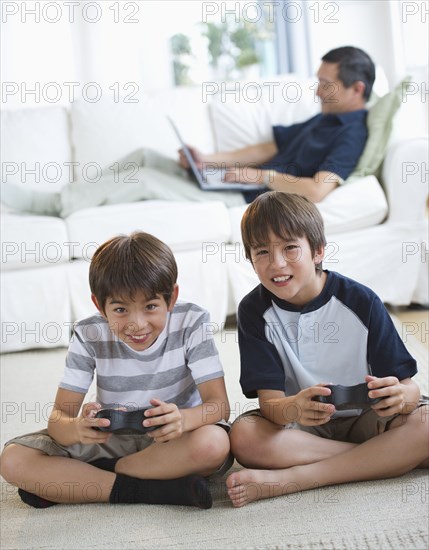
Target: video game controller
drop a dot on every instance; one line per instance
(124, 422)
(348, 397)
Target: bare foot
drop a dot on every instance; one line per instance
(250, 485)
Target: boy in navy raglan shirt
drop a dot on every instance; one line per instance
(301, 329)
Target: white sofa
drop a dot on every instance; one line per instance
(378, 237)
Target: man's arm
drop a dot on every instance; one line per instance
(315, 188)
(335, 167)
(253, 155)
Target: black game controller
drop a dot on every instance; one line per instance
(124, 422)
(348, 397)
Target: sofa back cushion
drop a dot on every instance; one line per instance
(171, 221)
(36, 148)
(243, 113)
(380, 124)
(107, 131)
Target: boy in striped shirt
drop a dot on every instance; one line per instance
(148, 350)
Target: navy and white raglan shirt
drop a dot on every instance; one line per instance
(183, 356)
(341, 336)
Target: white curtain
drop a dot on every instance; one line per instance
(293, 39)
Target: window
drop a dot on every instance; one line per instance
(58, 48)
(221, 41)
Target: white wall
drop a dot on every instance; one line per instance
(394, 33)
(364, 24)
(128, 41)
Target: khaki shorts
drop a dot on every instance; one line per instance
(116, 447)
(353, 429)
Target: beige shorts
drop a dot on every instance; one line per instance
(353, 429)
(117, 446)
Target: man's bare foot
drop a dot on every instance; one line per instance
(250, 485)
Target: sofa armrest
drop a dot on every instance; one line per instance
(355, 205)
(405, 180)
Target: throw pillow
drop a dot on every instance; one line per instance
(379, 123)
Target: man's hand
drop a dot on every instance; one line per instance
(196, 155)
(246, 174)
(169, 419)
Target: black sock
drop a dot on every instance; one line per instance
(34, 500)
(185, 491)
(107, 464)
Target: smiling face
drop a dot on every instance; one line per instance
(137, 321)
(287, 268)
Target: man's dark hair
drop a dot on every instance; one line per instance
(354, 64)
(127, 264)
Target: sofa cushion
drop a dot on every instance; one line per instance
(405, 177)
(353, 206)
(35, 148)
(182, 225)
(202, 279)
(32, 241)
(35, 308)
(380, 124)
(106, 131)
(246, 113)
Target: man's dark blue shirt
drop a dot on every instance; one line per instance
(331, 143)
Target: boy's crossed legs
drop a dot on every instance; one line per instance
(290, 460)
(161, 473)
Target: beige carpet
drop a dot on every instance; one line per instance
(388, 514)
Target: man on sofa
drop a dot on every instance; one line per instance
(313, 157)
(310, 158)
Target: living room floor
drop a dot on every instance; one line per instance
(414, 320)
(339, 515)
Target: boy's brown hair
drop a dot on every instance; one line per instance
(127, 264)
(287, 215)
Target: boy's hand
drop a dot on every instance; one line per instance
(86, 422)
(391, 392)
(313, 413)
(170, 421)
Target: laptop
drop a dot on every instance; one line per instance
(210, 178)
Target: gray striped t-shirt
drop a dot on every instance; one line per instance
(183, 356)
